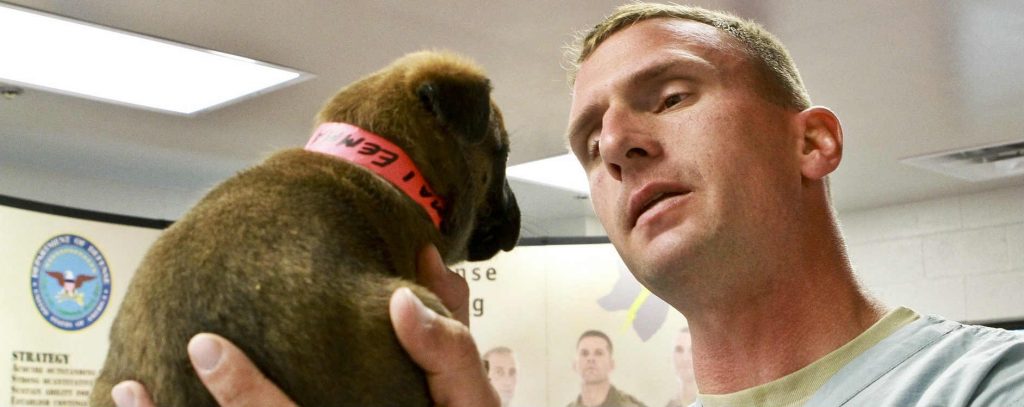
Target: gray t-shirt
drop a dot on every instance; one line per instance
(903, 360)
(933, 362)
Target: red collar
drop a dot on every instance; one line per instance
(380, 156)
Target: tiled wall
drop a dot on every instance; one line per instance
(959, 257)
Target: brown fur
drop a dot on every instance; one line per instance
(294, 259)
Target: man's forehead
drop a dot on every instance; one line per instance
(659, 38)
(591, 342)
(500, 358)
(695, 32)
(675, 35)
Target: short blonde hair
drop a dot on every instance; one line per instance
(781, 80)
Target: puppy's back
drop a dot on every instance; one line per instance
(281, 261)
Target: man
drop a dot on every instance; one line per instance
(594, 363)
(707, 167)
(682, 364)
(502, 372)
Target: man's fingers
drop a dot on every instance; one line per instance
(450, 287)
(130, 394)
(445, 350)
(230, 376)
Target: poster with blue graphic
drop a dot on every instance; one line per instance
(70, 282)
(64, 280)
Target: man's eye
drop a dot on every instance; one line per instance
(594, 148)
(673, 100)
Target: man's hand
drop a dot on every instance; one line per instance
(441, 346)
(445, 350)
(229, 375)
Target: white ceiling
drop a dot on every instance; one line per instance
(906, 78)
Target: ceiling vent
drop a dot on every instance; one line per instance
(982, 163)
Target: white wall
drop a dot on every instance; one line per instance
(960, 257)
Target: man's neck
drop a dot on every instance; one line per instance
(593, 394)
(758, 347)
(811, 307)
(783, 329)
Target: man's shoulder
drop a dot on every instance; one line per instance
(987, 361)
(942, 361)
(620, 398)
(972, 345)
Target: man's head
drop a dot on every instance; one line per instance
(700, 168)
(594, 361)
(502, 371)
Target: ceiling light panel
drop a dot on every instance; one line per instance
(66, 56)
(981, 163)
(562, 171)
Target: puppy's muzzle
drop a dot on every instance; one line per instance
(499, 228)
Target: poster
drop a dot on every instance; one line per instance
(546, 297)
(65, 278)
(63, 282)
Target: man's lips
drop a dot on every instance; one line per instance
(649, 195)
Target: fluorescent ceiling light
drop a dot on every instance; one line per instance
(562, 171)
(71, 57)
(979, 163)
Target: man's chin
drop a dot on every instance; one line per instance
(665, 253)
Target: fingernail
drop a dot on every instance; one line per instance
(205, 352)
(123, 395)
(423, 314)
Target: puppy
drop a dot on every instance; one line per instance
(295, 259)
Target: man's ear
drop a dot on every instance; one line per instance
(821, 147)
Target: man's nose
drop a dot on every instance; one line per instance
(626, 140)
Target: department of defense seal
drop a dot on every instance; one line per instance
(70, 282)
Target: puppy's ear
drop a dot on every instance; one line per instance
(460, 105)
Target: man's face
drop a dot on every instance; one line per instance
(593, 360)
(690, 168)
(682, 357)
(502, 372)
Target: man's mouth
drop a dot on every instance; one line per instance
(650, 195)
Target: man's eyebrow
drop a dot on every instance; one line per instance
(679, 62)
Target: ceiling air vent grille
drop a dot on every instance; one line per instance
(977, 163)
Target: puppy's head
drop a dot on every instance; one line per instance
(437, 107)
